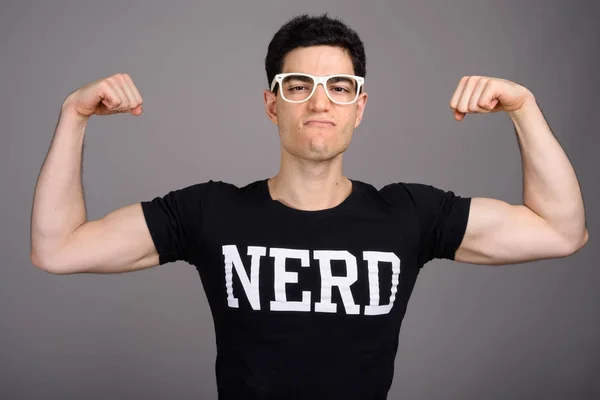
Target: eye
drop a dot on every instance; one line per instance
(340, 89)
(297, 88)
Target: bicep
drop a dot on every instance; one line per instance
(118, 242)
(501, 233)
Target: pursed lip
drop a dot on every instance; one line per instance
(320, 121)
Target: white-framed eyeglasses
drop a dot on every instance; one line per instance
(296, 87)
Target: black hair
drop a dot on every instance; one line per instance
(305, 31)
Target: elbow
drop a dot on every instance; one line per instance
(577, 245)
(37, 261)
(46, 266)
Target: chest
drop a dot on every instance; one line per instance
(343, 265)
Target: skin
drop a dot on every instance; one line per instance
(310, 176)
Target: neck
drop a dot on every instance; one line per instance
(310, 185)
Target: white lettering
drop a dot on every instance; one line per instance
(342, 282)
(250, 285)
(282, 277)
(373, 259)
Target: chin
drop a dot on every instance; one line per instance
(322, 152)
(312, 152)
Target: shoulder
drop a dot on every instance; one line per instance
(219, 194)
(204, 192)
(214, 187)
(392, 196)
(415, 193)
(426, 200)
(405, 193)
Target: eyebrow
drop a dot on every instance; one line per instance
(351, 82)
(341, 78)
(299, 78)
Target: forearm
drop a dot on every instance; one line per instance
(550, 186)
(58, 203)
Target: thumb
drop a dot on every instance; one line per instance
(137, 110)
(458, 115)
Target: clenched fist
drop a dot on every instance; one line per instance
(112, 95)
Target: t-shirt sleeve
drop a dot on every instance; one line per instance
(442, 217)
(175, 222)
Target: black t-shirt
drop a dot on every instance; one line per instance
(306, 304)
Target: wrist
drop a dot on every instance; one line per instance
(69, 115)
(71, 124)
(529, 106)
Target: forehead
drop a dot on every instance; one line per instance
(318, 60)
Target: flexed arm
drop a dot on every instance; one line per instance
(62, 240)
(551, 221)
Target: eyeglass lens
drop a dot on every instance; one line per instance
(341, 89)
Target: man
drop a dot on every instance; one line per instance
(308, 273)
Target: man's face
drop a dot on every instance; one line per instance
(308, 140)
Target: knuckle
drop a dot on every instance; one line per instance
(110, 81)
(116, 79)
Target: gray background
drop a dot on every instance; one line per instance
(528, 331)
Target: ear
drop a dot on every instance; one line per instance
(271, 105)
(361, 104)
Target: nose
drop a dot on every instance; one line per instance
(319, 100)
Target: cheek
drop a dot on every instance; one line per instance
(289, 119)
(347, 122)
(350, 117)
(290, 126)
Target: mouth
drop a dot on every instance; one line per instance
(314, 122)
